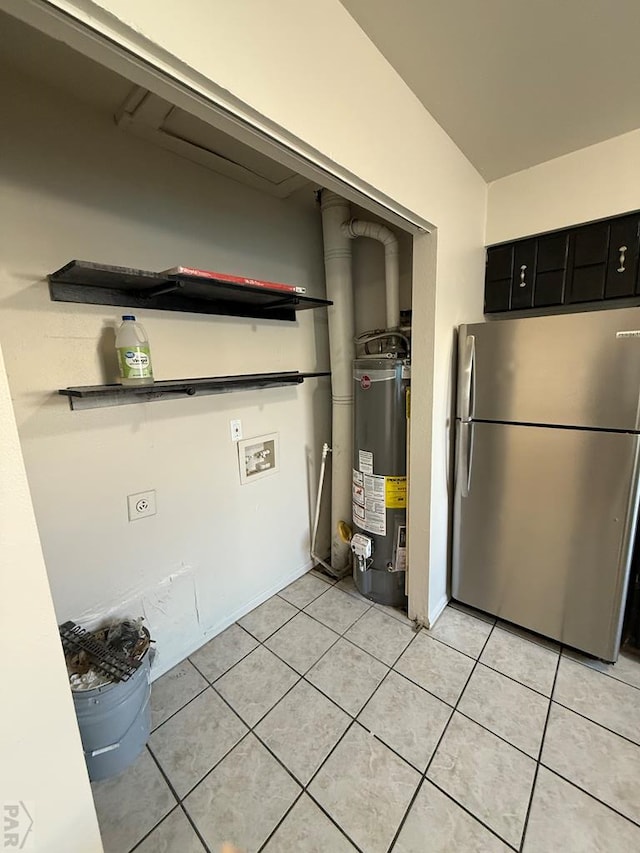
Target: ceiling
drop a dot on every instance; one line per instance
(515, 82)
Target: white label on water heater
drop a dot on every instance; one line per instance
(375, 517)
(372, 526)
(374, 487)
(358, 478)
(632, 333)
(365, 459)
(358, 514)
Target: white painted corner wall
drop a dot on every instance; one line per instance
(39, 738)
(592, 183)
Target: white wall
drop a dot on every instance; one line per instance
(78, 187)
(36, 700)
(310, 68)
(595, 182)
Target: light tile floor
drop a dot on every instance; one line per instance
(321, 722)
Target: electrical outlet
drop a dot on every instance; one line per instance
(141, 505)
(236, 429)
(258, 457)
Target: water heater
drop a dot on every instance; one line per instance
(380, 380)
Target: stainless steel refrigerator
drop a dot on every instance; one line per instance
(547, 461)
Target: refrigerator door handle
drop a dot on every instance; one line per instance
(467, 378)
(466, 457)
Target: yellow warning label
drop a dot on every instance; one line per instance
(395, 492)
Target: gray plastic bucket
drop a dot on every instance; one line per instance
(114, 722)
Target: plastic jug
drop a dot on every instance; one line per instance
(134, 355)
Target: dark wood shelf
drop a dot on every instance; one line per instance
(98, 396)
(99, 284)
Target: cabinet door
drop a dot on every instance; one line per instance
(524, 270)
(497, 291)
(622, 263)
(589, 250)
(551, 270)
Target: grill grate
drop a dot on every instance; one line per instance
(107, 661)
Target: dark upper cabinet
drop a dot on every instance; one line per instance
(586, 264)
(497, 293)
(622, 261)
(524, 272)
(588, 252)
(551, 270)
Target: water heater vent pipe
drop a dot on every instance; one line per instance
(359, 228)
(337, 262)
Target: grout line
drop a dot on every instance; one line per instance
(386, 676)
(312, 779)
(588, 665)
(353, 718)
(535, 775)
(251, 730)
(352, 721)
(500, 737)
(462, 713)
(137, 845)
(596, 723)
(195, 828)
(180, 803)
(416, 684)
(512, 678)
(306, 786)
(281, 821)
(292, 603)
(437, 746)
(164, 775)
(471, 814)
(208, 680)
(188, 702)
(251, 727)
(309, 668)
(396, 834)
(427, 633)
(590, 795)
(388, 666)
(217, 763)
(286, 621)
(363, 649)
(259, 643)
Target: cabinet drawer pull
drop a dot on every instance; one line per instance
(622, 250)
(523, 270)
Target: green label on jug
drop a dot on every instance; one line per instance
(135, 362)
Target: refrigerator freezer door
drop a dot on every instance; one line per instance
(543, 529)
(572, 369)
